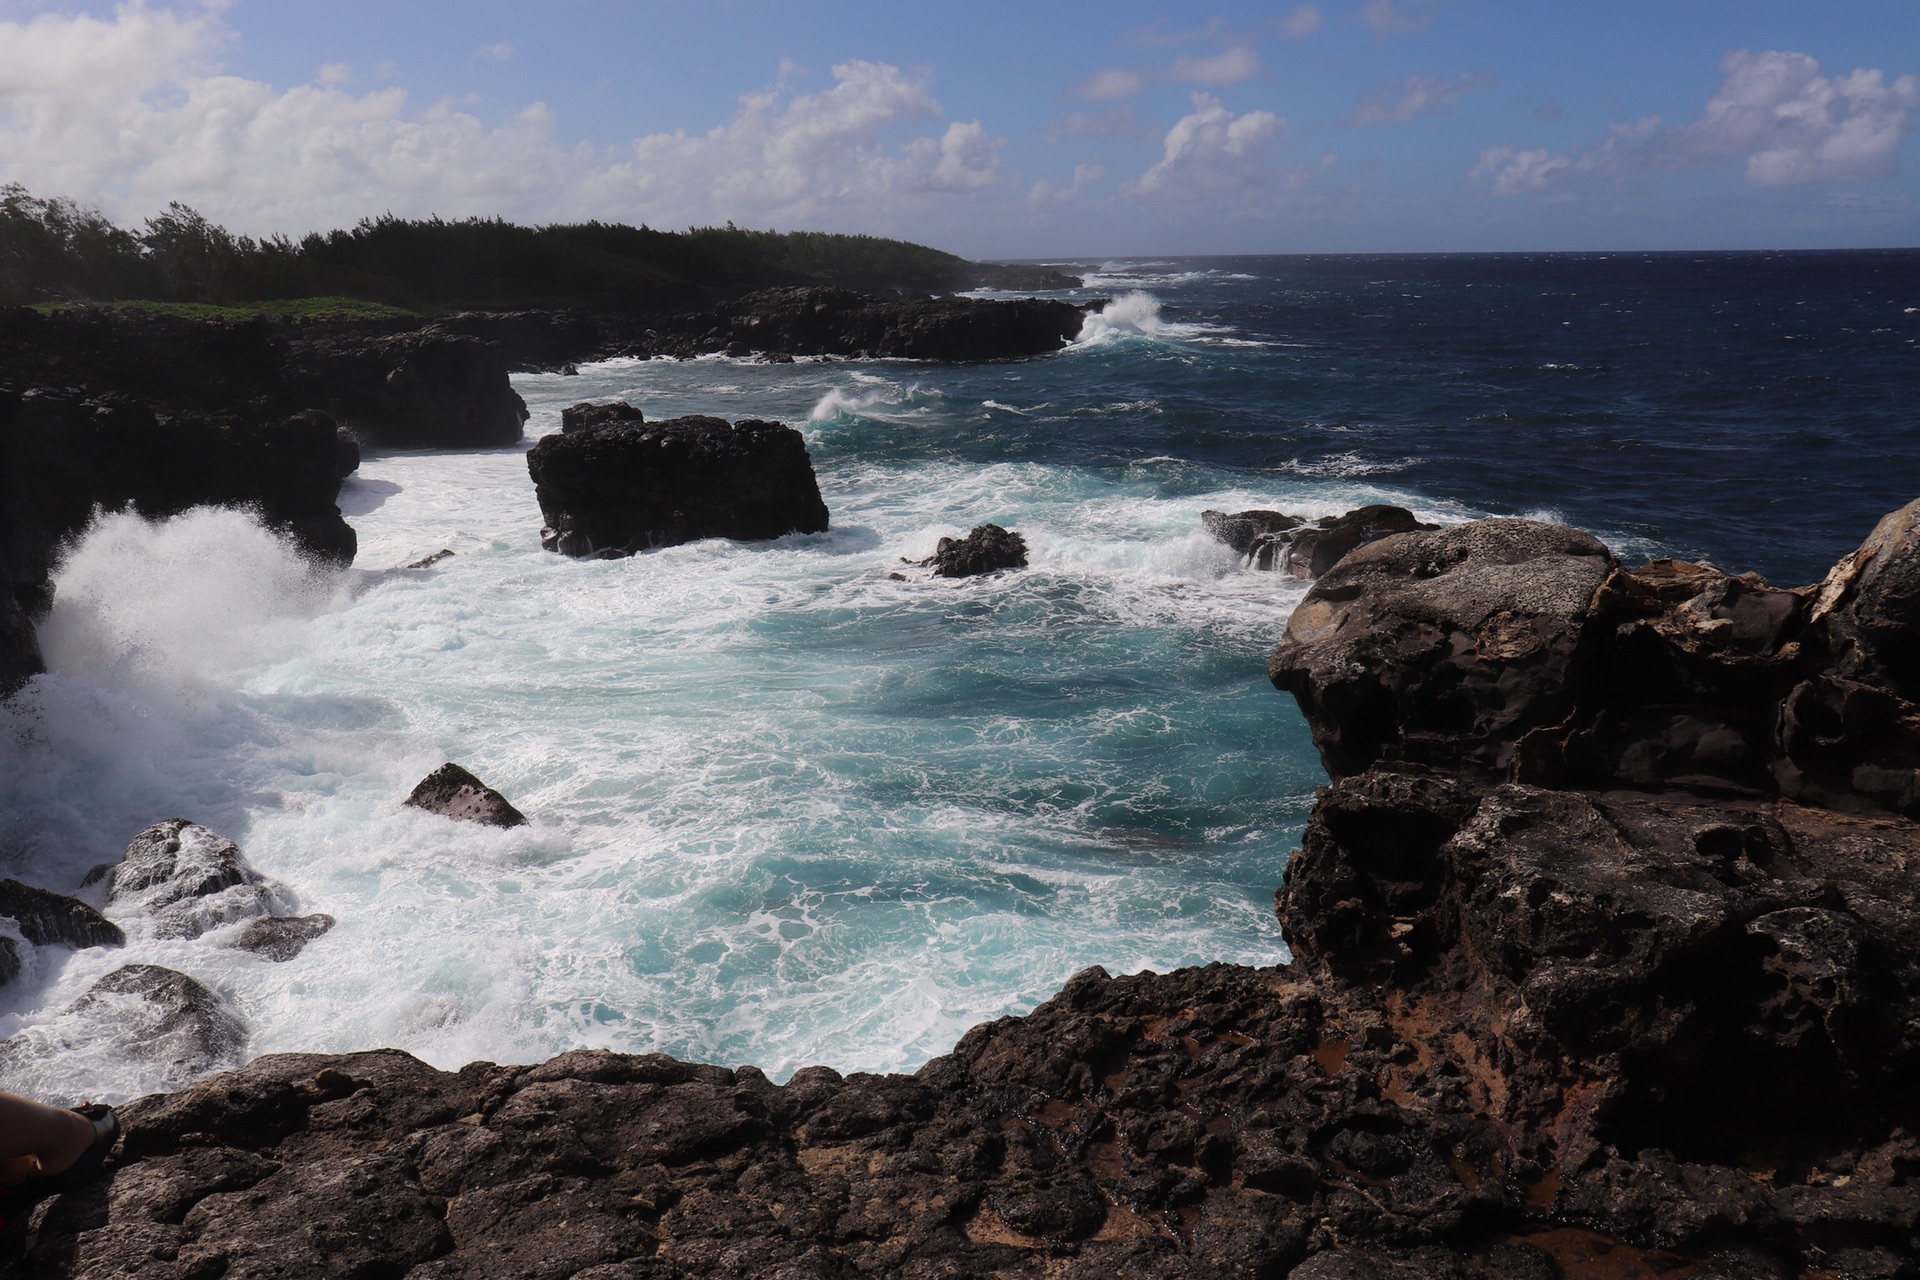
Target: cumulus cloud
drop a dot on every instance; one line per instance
(1301, 23)
(1796, 126)
(1109, 83)
(132, 111)
(1045, 193)
(1402, 100)
(501, 52)
(1791, 125)
(1212, 153)
(1229, 66)
(1395, 17)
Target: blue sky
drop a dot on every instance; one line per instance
(994, 128)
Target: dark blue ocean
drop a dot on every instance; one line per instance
(789, 809)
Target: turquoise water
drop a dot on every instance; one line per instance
(787, 809)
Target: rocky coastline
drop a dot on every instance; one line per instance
(1606, 963)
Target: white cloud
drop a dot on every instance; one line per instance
(334, 73)
(1229, 66)
(1109, 83)
(501, 52)
(1084, 176)
(1403, 100)
(1212, 153)
(1301, 23)
(1792, 125)
(130, 112)
(1510, 172)
(1796, 126)
(1395, 17)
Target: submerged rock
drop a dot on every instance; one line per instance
(452, 792)
(140, 1021)
(624, 487)
(280, 938)
(987, 549)
(185, 880)
(587, 415)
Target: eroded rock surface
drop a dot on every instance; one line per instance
(624, 487)
(841, 322)
(280, 938)
(587, 415)
(452, 792)
(178, 879)
(140, 1022)
(1566, 1002)
(988, 548)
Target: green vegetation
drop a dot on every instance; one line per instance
(54, 250)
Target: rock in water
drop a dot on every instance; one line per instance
(623, 487)
(46, 918)
(1275, 540)
(186, 880)
(140, 1022)
(454, 793)
(1242, 529)
(986, 549)
(586, 415)
(280, 937)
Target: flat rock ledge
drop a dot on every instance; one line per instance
(1567, 1002)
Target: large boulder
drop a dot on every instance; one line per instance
(179, 880)
(280, 938)
(141, 1024)
(1443, 648)
(625, 487)
(587, 415)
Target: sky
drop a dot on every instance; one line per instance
(1048, 129)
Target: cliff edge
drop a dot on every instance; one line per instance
(1606, 964)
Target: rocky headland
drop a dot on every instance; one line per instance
(1606, 963)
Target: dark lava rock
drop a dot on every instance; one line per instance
(531, 341)
(46, 919)
(151, 1022)
(1595, 1028)
(454, 793)
(987, 549)
(185, 880)
(280, 937)
(427, 562)
(625, 487)
(1302, 548)
(587, 415)
(429, 389)
(840, 322)
(1442, 648)
(1242, 529)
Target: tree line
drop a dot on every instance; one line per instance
(57, 250)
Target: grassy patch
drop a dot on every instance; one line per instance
(296, 310)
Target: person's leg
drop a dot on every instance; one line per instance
(35, 1137)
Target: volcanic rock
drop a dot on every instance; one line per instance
(42, 919)
(454, 793)
(184, 880)
(987, 549)
(1445, 648)
(840, 322)
(587, 415)
(150, 1023)
(280, 937)
(429, 389)
(1242, 529)
(1304, 549)
(625, 487)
